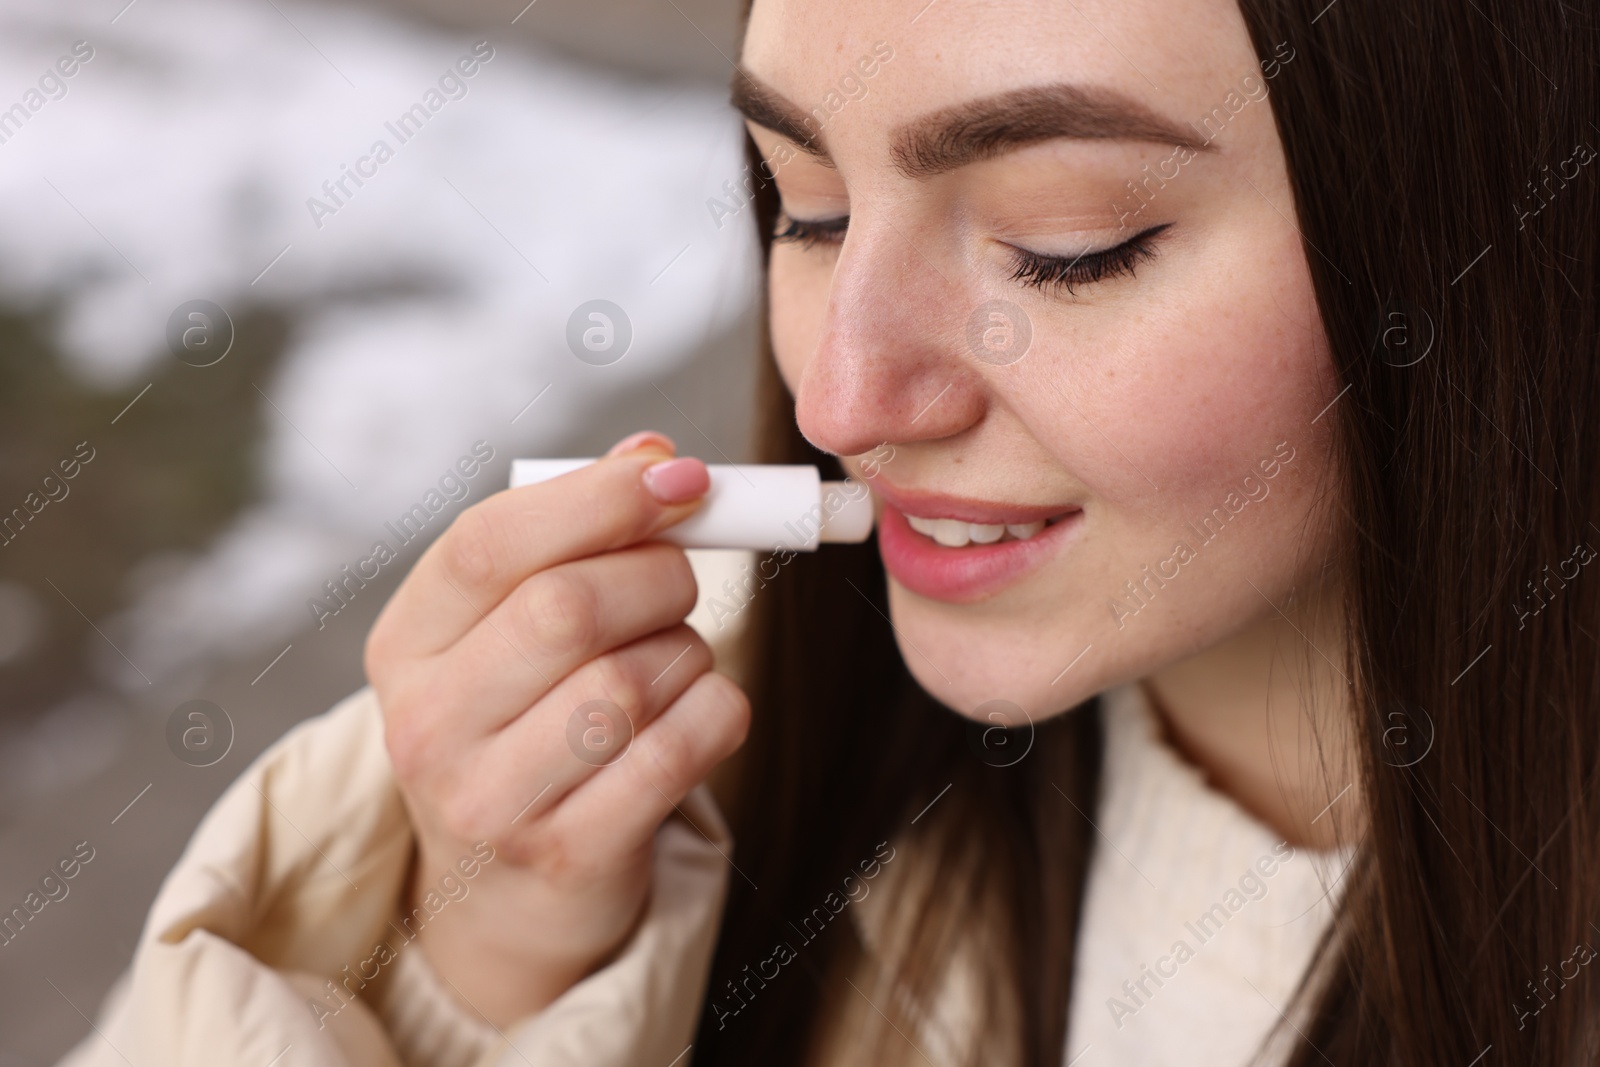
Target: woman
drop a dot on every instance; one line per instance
(1222, 376)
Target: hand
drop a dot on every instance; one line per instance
(533, 603)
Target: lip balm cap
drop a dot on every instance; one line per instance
(851, 522)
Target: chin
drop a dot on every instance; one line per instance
(986, 666)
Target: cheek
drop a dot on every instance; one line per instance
(1180, 405)
(1232, 372)
(797, 291)
(1158, 413)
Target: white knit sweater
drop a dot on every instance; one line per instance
(1198, 920)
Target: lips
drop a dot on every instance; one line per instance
(966, 509)
(961, 550)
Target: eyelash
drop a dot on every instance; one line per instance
(1061, 272)
(811, 234)
(1033, 269)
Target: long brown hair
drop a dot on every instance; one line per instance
(1441, 157)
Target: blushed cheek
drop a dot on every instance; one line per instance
(1190, 399)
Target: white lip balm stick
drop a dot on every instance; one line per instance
(764, 508)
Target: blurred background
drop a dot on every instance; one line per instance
(227, 368)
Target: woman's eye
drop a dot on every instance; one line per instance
(1056, 273)
(810, 234)
(1051, 273)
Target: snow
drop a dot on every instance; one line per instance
(428, 309)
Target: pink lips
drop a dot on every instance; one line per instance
(975, 572)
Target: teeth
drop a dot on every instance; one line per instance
(953, 533)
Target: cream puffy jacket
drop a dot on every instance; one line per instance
(1197, 925)
(294, 879)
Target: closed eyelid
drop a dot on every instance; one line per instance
(1048, 272)
(1141, 237)
(808, 232)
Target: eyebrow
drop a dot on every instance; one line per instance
(982, 129)
(764, 106)
(991, 126)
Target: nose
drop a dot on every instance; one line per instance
(888, 364)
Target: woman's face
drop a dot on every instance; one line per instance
(1038, 262)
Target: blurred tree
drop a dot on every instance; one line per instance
(173, 469)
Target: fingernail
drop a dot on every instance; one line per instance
(639, 440)
(674, 481)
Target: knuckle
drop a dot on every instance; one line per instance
(731, 708)
(621, 512)
(412, 744)
(469, 550)
(414, 728)
(634, 514)
(563, 858)
(677, 578)
(408, 748)
(673, 752)
(461, 814)
(700, 650)
(697, 658)
(559, 613)
(638, 524)
(620, 682)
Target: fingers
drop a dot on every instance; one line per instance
(591, 721)
(493, 546)
(498, 786)
(617, 811)
(556, 621)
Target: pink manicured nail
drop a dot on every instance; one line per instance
(638, 440)
(674, 481)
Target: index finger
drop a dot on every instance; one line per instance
(493, 546)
